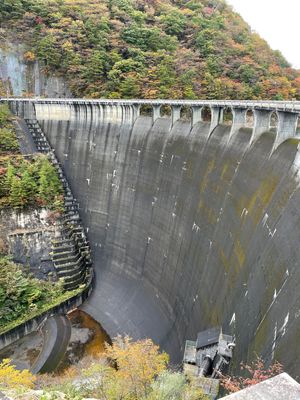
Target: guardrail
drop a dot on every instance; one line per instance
(127, 111)
(291, 106)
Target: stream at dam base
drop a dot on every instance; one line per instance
(88, 339)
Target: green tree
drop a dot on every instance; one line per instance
(205, 42)
(10, 174)
(148, 39)
(29, 185)
(123, 77)
(248, 74)
(11, 9)
(174, 23)
(130, 88)
(96, 66)
(48, 51)
(49, 183)
(17, 193)
(4, 115)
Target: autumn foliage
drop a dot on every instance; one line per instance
(127, 370)
(11, 378)
(150, 49)
(29, 56)
(254, 374)
(137, 364)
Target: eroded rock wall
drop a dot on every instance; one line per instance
(21, 77)
(26, 236)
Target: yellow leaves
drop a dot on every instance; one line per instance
(67, 45)
(138, 363)
(65, 22)
(29, 56)
(133, 371)
(187, 12)
(224, 46)
(11, 378)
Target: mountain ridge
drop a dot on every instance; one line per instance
(150, 49)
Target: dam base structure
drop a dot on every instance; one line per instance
(193, 223)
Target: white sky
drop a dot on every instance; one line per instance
(277, 21)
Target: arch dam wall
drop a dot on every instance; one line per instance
(192, 224)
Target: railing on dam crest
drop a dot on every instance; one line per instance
(286, 112)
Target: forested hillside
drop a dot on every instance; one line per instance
(150, 48)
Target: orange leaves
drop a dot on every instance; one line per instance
(203, 36)
(2, 171)
(274, 69)
(29, 56)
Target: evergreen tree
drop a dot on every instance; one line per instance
(49, 183)
(10, 173)
(17, 194)
(29, 186)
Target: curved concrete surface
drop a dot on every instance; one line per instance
(188, 230)
(56, 337)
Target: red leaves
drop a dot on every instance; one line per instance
(257, 371)
(39, 20)
(2, 171)
(208, 11)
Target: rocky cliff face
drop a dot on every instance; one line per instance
(22, 77)
(27, 235)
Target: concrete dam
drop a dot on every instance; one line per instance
(192, 223)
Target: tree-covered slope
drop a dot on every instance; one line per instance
(25, 182)
(150, 48)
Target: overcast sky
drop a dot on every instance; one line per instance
(277, 21)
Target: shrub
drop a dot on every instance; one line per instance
(173, 386)
(21, 294)
(256, 371)
(11, 378)
(137, 365)
(29, 56)
(34, 183)
(4, 115)
(8, 141)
